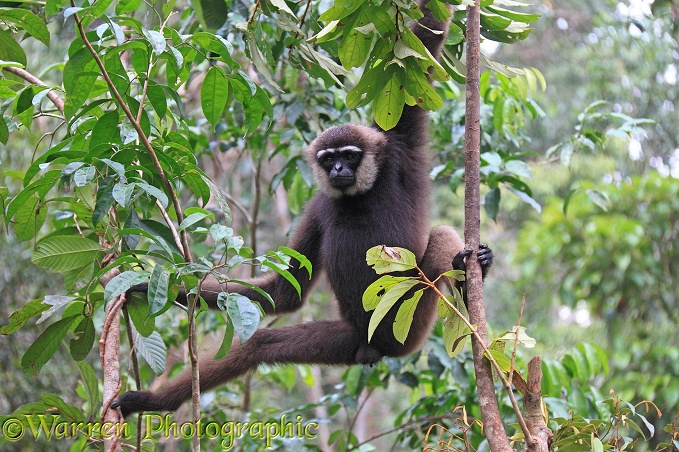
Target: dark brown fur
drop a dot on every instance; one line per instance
(334, 234)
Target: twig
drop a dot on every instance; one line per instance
(24, 74)
(140, 133)
(254, 13)
(486, 350)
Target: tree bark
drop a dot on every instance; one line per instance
(109, 354)
(495, 432)
(532, 407)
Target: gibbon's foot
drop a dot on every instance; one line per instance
(135, 401)
(368, 355)
(485, 258)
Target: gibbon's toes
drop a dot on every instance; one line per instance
(132, 402)
(485, 256)
(458, 260)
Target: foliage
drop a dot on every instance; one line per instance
(621, 263)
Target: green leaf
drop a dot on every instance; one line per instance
(352, 377)
(455, 331)
(260, 63)
(46, 344)
(243, 313)
(158, 289)
(387, 301)
(227, 340)
(404, 316)
(301, 258)
(282, 270)
(105, 131)
(492, 203)
(64, 253)
(220, 198)
(599, 198)
(194, 218)
(39, 187)
(371, 83)
(29, 218)
(158, 99)
(79, 75)
(386, 259)
(502, 360)
(341, 9)
(52, 6)
(90, 384)
(354, 48)
(25, 19)
(153, 350)
(213, 94)
(127, 6)
(154, 192)
(438, 10)
(19, 318)
(4, 130)
(81, 345)
(375, 291)
(513, 15)
(388, 105)
(10, 50)
(525, 197)
(282, 6)
(122, 282)
(57, 405)
(597, 445)
(104, 200)
(142, 322)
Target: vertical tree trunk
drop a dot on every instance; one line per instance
(495, 433)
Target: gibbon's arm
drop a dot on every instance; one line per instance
(306, 240)
(413, 124)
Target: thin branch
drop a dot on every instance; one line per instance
(490, 413)
(24, 74)
(475, 335)
(254, 13)
(140, 133)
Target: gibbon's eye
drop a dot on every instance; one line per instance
(328, 160)
(350, 157)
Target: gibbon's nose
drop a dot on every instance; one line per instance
(338, 166)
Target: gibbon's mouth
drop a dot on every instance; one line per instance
(342, 181)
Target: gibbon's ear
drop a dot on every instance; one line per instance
(372, 142)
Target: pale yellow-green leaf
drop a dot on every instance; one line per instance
(523, 338)
(386, 259)
(404, 316)
(388, 300)
(375, 291)
(455, 332)
(502, 360)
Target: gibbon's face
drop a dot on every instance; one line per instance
(341, 165)
(346, 159)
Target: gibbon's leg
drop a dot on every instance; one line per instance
(320, 342)
(443, 247)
